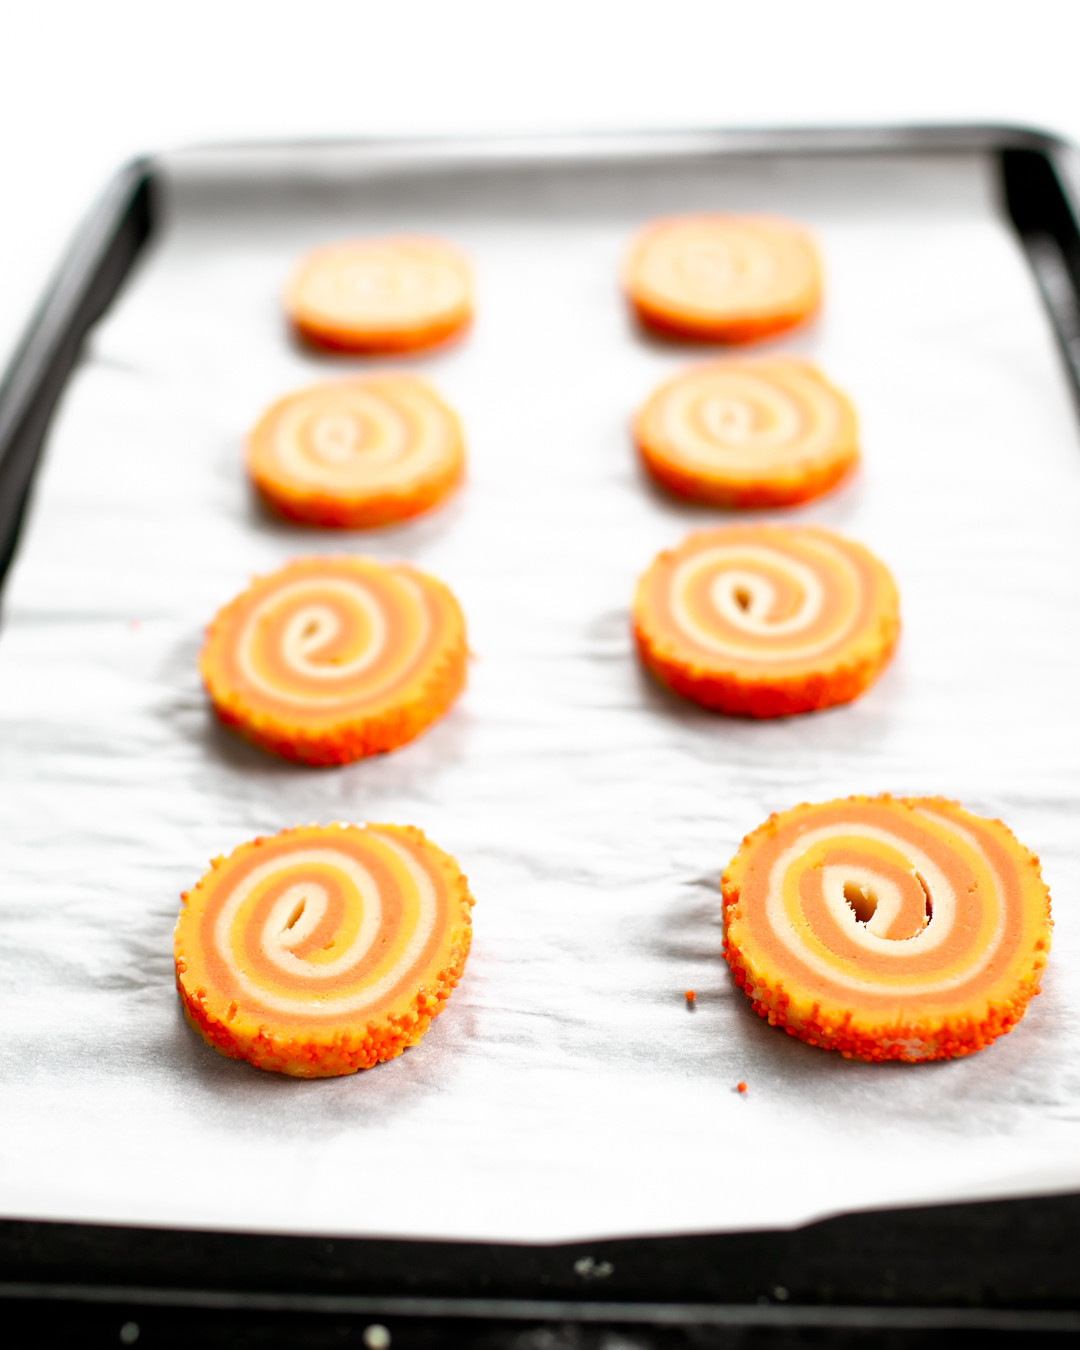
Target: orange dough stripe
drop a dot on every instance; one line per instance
(322, 950)
(722, 278)
(332, 659)
(357, 453)
(887, 928)
(380, 295)
(748, 433)
(766, 620)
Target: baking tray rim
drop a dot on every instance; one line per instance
(102, 253)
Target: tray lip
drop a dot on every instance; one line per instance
(252, 1273)
(824, 138)
(261, 159)
(653, 1313)
(425, 152)
(50, 317)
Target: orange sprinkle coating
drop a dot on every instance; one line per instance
(332, 659)
(722, 278)
(322, 950)
(380, 295)
(356, 453)
(766, 620)
(748, 433)
(740, 1087)
(887, 928)
(690, 996)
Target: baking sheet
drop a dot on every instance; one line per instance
(567, 1091)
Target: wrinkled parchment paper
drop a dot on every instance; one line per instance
(567, 1091)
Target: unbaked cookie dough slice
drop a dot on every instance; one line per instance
(766, 620)
(322, 950)
(750, 433)
(723, 278)
(887, 928)
(380, 295)
(332, 659)
(357, 453)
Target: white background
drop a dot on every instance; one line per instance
(81, 89)
(85, 85)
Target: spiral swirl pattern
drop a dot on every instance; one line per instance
(357, 452)
(323, 950)
(380, 295)
(766, 620)
(330, 659)
(887, 928)
(748, 433)
(723, 278)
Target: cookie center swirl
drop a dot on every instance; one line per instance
(728, 420)
(308, 645)
(336, 438)
(748, 600)
(725, 267)
(373, 280)
(766, 422)
(746, 419)
(332, 639)
(914, 933)
(317, 924)
(385, 283)
(753, 600)
(361, 438)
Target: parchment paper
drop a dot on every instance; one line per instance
(567, 1091)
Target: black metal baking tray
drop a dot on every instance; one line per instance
(973, 1273)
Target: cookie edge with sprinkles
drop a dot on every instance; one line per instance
(769, 695)
(788, 487)
(331, 337)
(941, 1037)
(324, 509)
(336, 1053)
(737, 329)
(351, 739)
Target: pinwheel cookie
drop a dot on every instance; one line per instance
(766, 620)
(357, 452)
(331, 659)
(722, 278)
(748, 433)
(887, 928)
(380, 295)
(322, 951)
